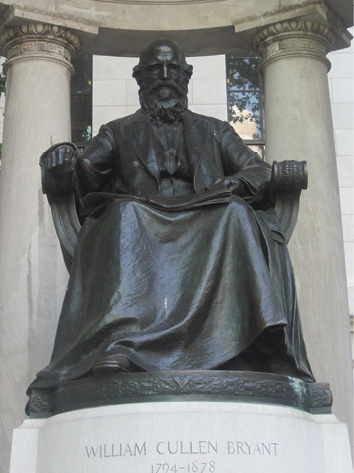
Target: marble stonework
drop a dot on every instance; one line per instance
(183, 437)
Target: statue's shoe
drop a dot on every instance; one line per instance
(112, 363)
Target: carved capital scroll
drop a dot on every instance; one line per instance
(39, 40)
(295, 38)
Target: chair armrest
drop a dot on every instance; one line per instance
(288, 179)
(61, 198)
(66, 223)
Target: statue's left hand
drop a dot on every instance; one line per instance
(235, 185)
(57, 164)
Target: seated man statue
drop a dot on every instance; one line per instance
(180, 264)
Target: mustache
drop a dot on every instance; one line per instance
(179, 89)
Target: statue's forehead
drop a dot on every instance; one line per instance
(163, 54)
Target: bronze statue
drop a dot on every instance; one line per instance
(180, 263)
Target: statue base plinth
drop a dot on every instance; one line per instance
(182, 386)
(183, 437)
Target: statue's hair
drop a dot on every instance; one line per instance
(137, 70)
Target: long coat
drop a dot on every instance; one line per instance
(192, 287)
(122, 158)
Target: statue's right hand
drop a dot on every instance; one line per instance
(57, 164)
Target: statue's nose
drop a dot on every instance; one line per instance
(165, 71)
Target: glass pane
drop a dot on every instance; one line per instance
(245, 97)
(260, 149)
(81, 101)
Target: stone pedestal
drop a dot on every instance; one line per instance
(183, 437)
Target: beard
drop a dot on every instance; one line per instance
(165, 100)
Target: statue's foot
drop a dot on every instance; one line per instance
(112, 363)
(287, 367)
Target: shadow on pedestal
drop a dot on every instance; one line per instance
(185, 386)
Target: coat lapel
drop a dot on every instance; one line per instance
(139, 135)
(195, 132)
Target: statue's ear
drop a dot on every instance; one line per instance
(188, 69)
(137, 74)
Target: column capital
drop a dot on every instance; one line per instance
(39, 41)
(294, 38)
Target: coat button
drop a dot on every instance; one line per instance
(135, 164)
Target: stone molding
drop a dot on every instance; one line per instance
(159, 2)
(294, 38)
(39, 41)
(50, 17)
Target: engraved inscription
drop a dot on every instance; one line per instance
(115, 450)
(182, 455)
(252, 448)
(193, 467)
(201, 447)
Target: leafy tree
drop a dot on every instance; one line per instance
(245, 91)
(2, 84)
(2, 92)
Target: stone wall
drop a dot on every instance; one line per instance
(341, 83)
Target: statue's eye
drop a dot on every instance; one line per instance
(164, 70)
(155, 70)
(174, 70)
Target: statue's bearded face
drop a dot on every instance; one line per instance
(164, 84)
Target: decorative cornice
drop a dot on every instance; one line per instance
(38, 40)
(294, 38)
(294, 26)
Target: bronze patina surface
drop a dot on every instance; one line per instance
(184, 386)
(180, 263)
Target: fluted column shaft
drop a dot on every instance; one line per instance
(299, 126)
(37, 114)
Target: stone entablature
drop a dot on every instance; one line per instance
(123, 27)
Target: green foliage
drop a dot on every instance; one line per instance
(2, 82)
(87, 134)
(245, 91)
(2, 92)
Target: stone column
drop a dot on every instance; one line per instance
(32, 275)
(299, 126)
